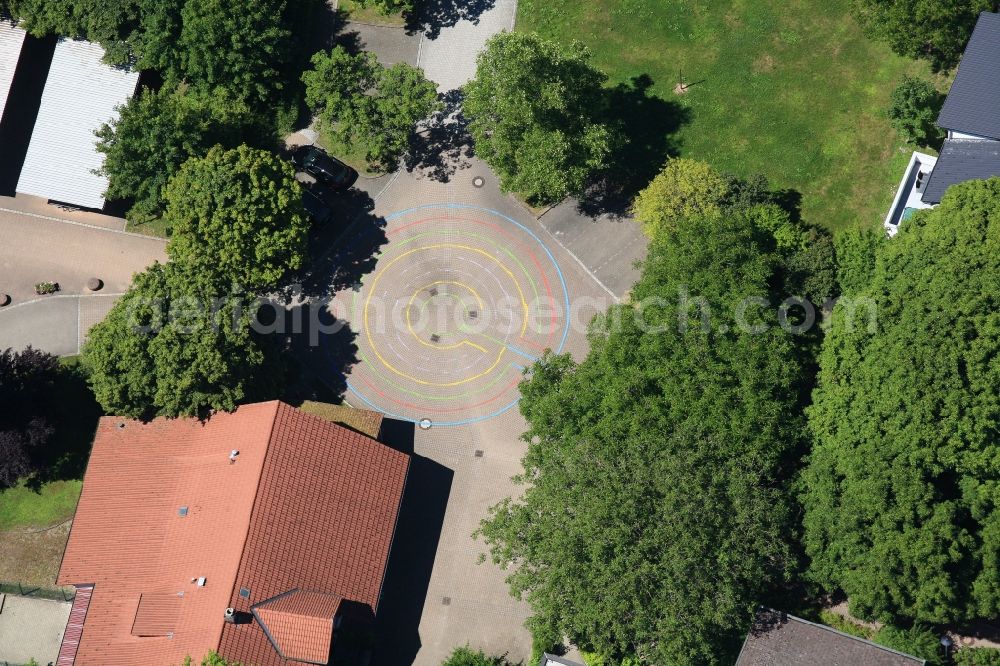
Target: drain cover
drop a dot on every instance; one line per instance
(478, 181)
(424, 424)
(473, 314)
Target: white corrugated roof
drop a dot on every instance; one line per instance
(11, 40)
(80, 95)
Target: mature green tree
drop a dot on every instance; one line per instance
(856, 251)
(156, 132)
(27, 389)
(913, 110)
(236, 217)
(360, 102)
(937, 30)
(657, 508)
(536, 113)
(165, 350)
(234, 44)
(683, 188)
(136, 32)
(902, 490)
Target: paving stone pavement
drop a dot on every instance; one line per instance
(448, 55)
(466, 602)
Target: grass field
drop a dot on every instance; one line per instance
(355, 12)
(787, 88)
(23, 507)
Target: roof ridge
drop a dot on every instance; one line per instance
(253, 507)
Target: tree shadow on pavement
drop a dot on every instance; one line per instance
(324, 347)
(341, 252)
(431, 16)
(418, 531)
(443, 145)
(648, 123)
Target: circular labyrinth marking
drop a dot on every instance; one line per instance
(461, 300)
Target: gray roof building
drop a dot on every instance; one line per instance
(778, 639)
(973, 104)
(962, 160)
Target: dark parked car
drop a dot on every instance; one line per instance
(323, 167)
(315, 207)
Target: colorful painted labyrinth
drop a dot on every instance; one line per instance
(461, 300)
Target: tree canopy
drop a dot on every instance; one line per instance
(155, 133)
(236, 217)
(165, 350)
(937, 30)
(27, 382)
(360, 102)
(683, 188)
(536, 114)
(902, 489)
(657, 508)
(913, 110)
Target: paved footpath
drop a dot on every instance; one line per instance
(37, 247)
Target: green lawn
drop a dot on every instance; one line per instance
(23, 507)
(356, 12)
(787, 88)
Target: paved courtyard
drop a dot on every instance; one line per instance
(31, 628)
(465, 291)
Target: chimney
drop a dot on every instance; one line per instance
(231, 615)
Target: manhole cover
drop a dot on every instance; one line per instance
(473, 314)
(478, 181)
(425, 424)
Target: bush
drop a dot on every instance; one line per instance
(918, 641)
(976, 657)
(913, 110)
(388, 7)
(465, 656)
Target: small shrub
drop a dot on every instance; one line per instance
(976, 657)
(918, 641)
(43, 288)
(466, 656)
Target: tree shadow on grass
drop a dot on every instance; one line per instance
(431, 16)
(647, 123)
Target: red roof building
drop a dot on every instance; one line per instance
(284, 518)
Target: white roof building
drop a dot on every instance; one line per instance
(11, 41)
(80, 95)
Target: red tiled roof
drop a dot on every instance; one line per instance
(300, 623)
(156, 614)
(307, 504)
(326, 527)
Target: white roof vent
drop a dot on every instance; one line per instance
(233, 455)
